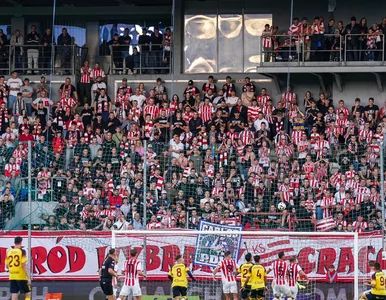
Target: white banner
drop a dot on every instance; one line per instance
(77, 255)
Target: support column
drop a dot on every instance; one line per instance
(178, 32)
(92, 42)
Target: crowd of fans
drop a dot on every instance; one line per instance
(215, 152)
(317, 40)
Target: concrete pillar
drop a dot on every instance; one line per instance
(92, 42)
(18, 23)
(178, 37)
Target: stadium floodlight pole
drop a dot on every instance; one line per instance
(382, 159)
(30, 209)
(144, 203)
(286, 124)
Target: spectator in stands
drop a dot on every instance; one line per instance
(144, 44)
(14, 86)
(32, 43)
(156, 40)
(17, 41)
(116, 53)
(47, 41)
(3, 52)
(124, 42)
(84, 85)
(64, 51)
(353, 31)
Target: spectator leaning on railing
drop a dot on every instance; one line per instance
(318, 41)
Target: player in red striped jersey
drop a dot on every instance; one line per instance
(294, 272)
(132, 269)
(280, 275)
(228, 270)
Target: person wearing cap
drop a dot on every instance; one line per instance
(191, 89)
(144, 44)
(353, 30)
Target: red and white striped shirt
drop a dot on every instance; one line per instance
(154, 225)
(366, 135)
(132, 267)
(247, 137)
(343, 110)
(206, 112)
(253, 112)
(228, 267)
(280, 269)
(151, 110)
(293, 273)
(97, 72)
(285, 190)
(67, 102)
(85, 74)
(262, 99)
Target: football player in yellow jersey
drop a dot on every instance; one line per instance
(244, 271)
(257, 279)
(178, 277)
(16, 263)
(378, 284)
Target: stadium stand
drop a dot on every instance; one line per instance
(213, 152)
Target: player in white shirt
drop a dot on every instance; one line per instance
(132, 269)
(280, 277)
(228, 276)
(294, 271)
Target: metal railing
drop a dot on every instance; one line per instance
(38, 59)
(323, 48)
(148, 59)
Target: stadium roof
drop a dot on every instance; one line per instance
(86, 2)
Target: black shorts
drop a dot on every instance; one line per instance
(257, 293)
(107, 287)
(371, 296)
(19, 286)
(179, 291)
(245, 292)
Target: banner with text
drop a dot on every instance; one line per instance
(211, 248)
(77, 255)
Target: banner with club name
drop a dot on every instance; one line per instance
(76, 255)
(210, 249)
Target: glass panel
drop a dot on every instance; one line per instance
(253, 28)
(230, 43)
(200, 44)
(78, 34)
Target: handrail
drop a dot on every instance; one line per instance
(155, 57)
(22, 59)
(294, 48)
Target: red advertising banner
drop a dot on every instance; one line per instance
(77, 255)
